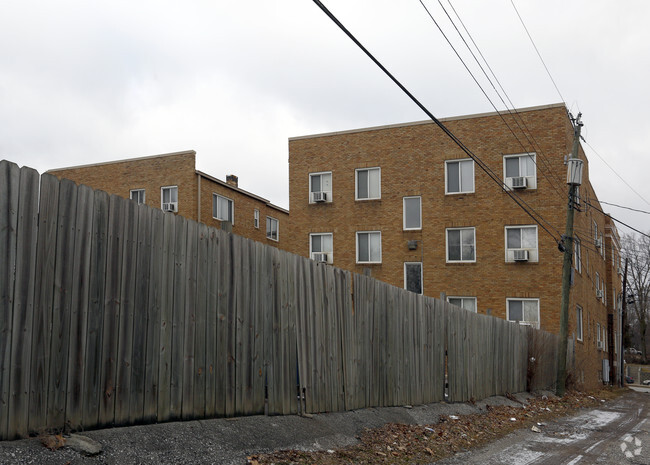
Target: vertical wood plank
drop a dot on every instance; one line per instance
(45, 257)
(191, 268)
(201, 316)
(112, 309)
(142, 243)
(23, 312)
(95, 308)
(9, 192)
(212, 314)
(166, 280)
(64, 283)
(154, 311)
(178, 318)
(129, 275)
(223, 324)
(80, 302)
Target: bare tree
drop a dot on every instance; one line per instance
(637, 251)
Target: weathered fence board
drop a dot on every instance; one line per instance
(44, 291)
(116, 313)
(79, 310)
(62, 302)
(23, 308)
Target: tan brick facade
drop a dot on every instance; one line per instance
(411, 158)
(195, 190)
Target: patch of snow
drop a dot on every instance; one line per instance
(519, 457)
(595, 419)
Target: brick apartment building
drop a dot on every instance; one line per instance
(405, 205)
(171, 182)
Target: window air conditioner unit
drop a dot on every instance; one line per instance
(599, 293)
(520, 255)
(519, 182)
(319, 196)
(599, 344)
(319, 257)
(598, 243)
(170, 207)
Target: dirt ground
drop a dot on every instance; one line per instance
(422, 444)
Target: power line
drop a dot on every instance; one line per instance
(614, 171)
(481, 87)
(538, 54)
(617, 220)
(627, 208)
(512, 112)
(448, 132)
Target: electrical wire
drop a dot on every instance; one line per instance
(448, 132)
(627, 208)
(536, 50)
(614, 171)
(512, 111)
(618, 221)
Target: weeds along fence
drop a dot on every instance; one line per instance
(113, 313)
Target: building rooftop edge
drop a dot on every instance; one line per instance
(422, 122)
(241, 191)
(124, 160)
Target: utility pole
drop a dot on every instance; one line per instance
(568, 257)
(622, 327)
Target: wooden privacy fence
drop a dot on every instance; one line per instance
(113, 313)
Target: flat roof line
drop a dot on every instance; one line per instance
(125, 160)
(428, 121)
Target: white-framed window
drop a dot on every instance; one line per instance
(413, 277)
(521, 244)
(412, 216)
(604, 289)
(602, 246)
(598, 290)
(368, 183)
(461, 245)
(137, 195)
(169, 198)
(520, 171)
(468, 303)
(256, 219)
(523, 311)
(599, 342)
(577, 255)
(578, 322)
(369, 247)
(272, 228)
(459, 176)
(321, 247)
(320, 187)
(223, 208)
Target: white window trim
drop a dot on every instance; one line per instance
(577, 257)
(523, 299)
(535, 250)
(356, 183)
(267, 233)
(447, 245)
(161, 195)
(330, 255)
(256, 218)
(233, 207)
(357, 248)
(581, 320)
(421, 275)
(404, 213)
(473, 177)
(464, 297)
(144, 194)
(519, 155)
(329, 193)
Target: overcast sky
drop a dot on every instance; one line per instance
(93, 81)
